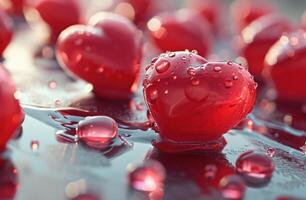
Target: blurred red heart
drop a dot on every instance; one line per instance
(286, 66)
(257, 39)
(196, 101)
(58, 14)
(6, 31)
(11, 114)
(184, 29)
(105, 53)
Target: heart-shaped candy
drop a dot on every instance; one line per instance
(196, 101)
(105, 53)
(11, 114)
(286, 66)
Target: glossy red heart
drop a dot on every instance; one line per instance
(184, 29)
(196, 101)
(258, 37)
(11, 114)
(286, 66)
(246, 11)
(105, 53)
(58, 14)
(6, 31)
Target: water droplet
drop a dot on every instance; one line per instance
(249, 125)
(270, 152)
(57, 102)
(184, 58)
(147, 177)
(195, 81)
(235, 77)
(217, 69)
(171, 54)
(256, 168)
(52, 84)
(191, 71)
(228, 83)
(162, 66)
(232, 187)
(255, 85)
(166, 92)
(97, 132)
(151, 92)
(100, 70)
(210, 171)
(154, 60)
(174, 77)
(194, 52)
(230, 63)
(198, 93)
(34, 145)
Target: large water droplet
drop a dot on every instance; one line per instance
(232, 187)
(198, 93)
(256, 168)
(97, 132)
(147, 177)
(162, 66)
(195, 81)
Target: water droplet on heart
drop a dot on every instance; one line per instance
(147, 177)
(195, 81)
(171, 54)
(232, 187)
(270, 152)
(97, 132)
(228, 83)
(174, 77)
(166, 92)
(235, 77)
(194, 51)
(162, 66)
(152, 92)
(100, 70)
(217, 69)
(154, 60)
(184, 58)
(230, 63)
(210, 171)
(34, 145)
(52, 84)
(191, 71)
(256, 168)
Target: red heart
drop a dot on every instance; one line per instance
(286, 66)
(11, 114)
(196, 101)
(257, 39)
(184, 29)
(106, 53)
(6, 31)
(58, 14)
